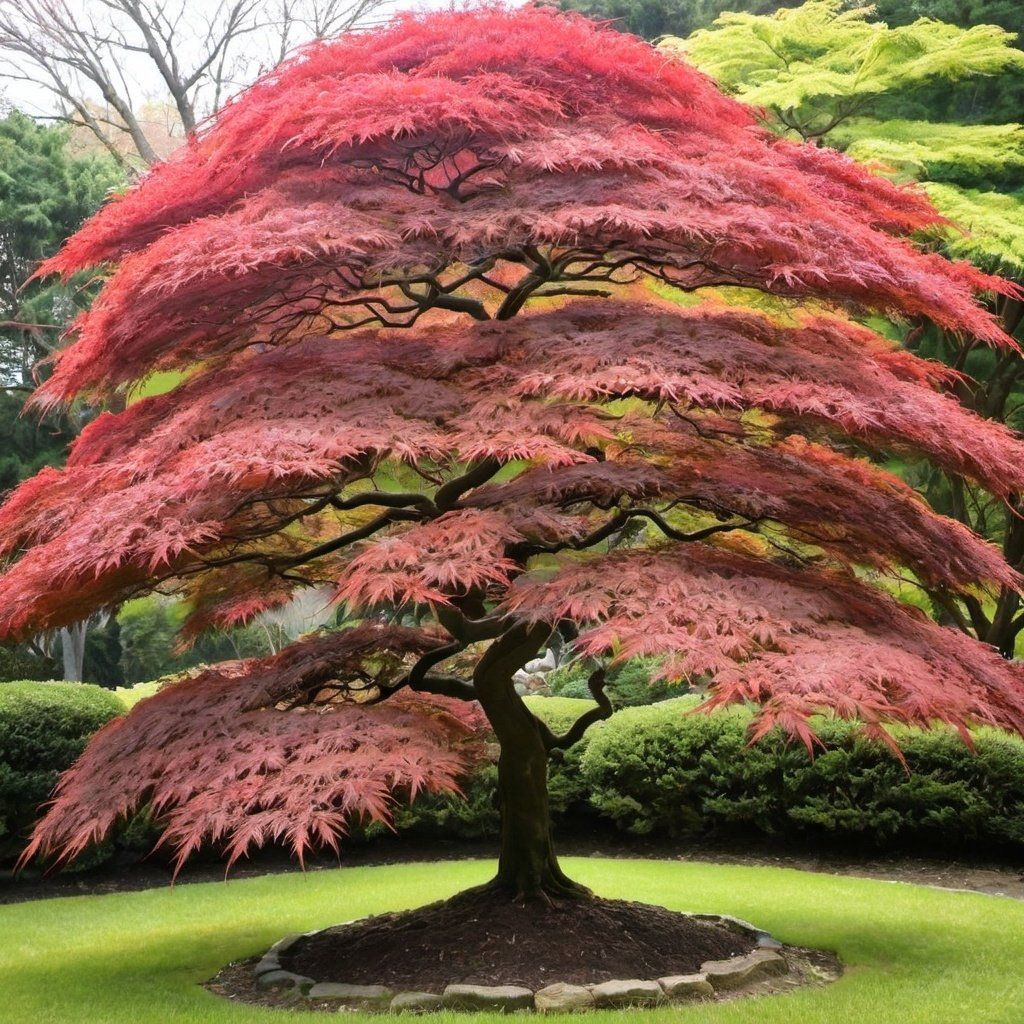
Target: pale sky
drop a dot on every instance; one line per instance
(141, 80)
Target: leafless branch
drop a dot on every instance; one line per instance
(102, 60)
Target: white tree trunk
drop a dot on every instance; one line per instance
(72, 645)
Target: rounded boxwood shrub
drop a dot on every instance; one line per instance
(43, 728)
(659, 770)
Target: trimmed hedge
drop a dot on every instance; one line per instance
(658, 770)
(43, 728)
(649, 770)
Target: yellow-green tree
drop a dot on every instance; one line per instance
(814, 67)
(836, 76)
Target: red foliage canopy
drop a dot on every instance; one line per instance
(428, 152)
(231, 768)
(535, 196)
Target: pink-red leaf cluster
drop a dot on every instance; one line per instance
(232, 768)
(344, 177)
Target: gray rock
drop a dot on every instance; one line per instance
(737, 924)
(742, 970)
(284, 979)
(352, 995)
(542, 664)
(687, 986)
(562, 998)
(627, 993)
(267, 964)
(487, 997)
(415, 1002)
(284, 944)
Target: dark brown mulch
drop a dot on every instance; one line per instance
(483, 939)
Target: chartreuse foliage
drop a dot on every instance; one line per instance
(992, 223)
(972, 155)
(913, 955)
(129, 696)
(828, 72)
(973, 173)
(816, 65)
(993, 99)
(404, 271)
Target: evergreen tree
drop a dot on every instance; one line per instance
(816, 66)
(651, 19)
(45, 194)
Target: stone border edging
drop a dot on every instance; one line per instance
(714, 977)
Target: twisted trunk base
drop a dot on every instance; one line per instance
(527, 866)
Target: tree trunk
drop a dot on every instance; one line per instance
(72, 645)
(527, 865)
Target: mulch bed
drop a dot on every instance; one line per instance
(485, 939)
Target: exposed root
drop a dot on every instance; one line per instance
(549, 890)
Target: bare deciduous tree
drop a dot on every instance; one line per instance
(102, 61)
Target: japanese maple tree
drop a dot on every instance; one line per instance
(446, 299)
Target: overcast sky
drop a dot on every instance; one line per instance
(142, 81)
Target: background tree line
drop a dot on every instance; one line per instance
(98, 64)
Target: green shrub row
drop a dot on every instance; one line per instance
(650, 770)
(43, 728)
(657, 770)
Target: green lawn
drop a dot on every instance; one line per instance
(912, 954)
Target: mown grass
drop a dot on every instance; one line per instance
(131, 695)
(913, 955)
